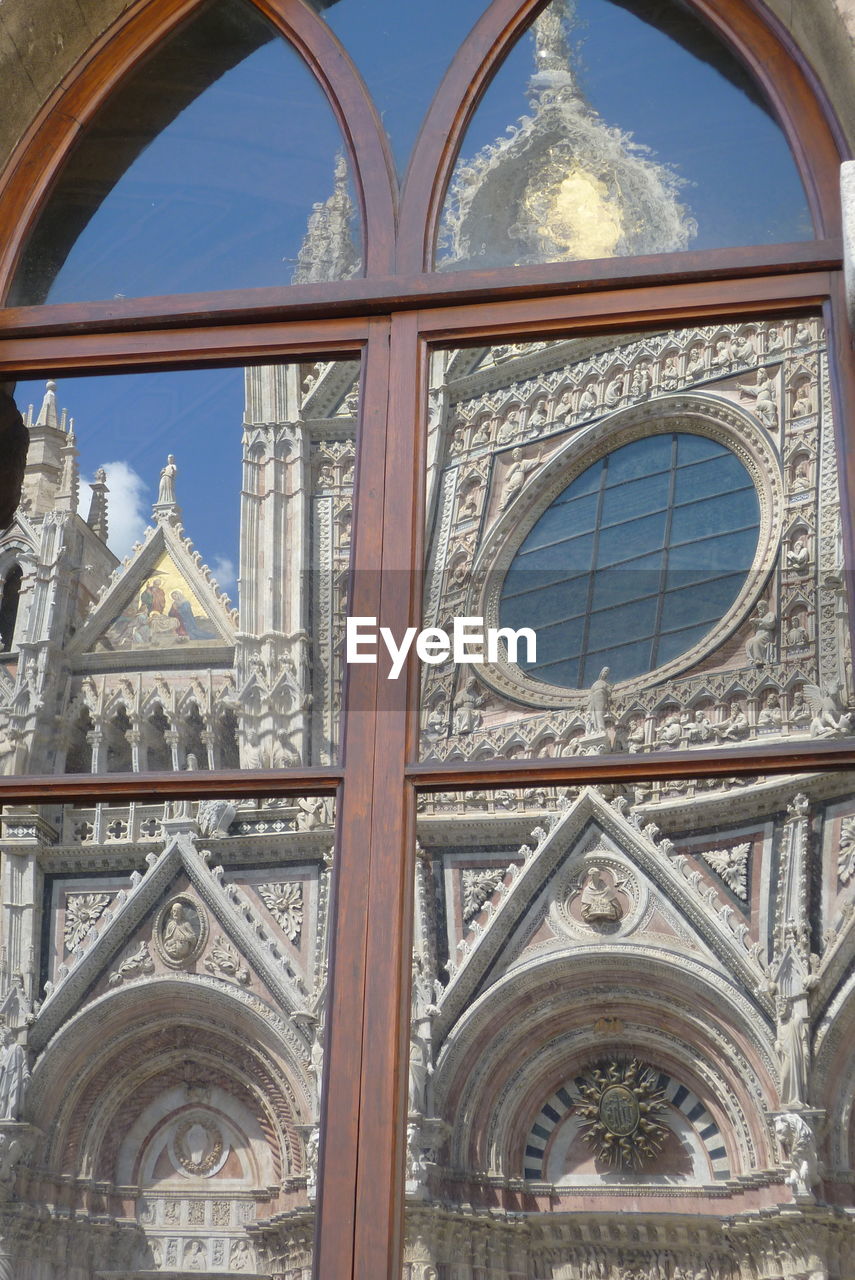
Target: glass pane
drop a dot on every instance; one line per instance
(173, 1005)
(194, 176)
(654, 521)
(616, 129)
(402, 52)
(622, 1011)
(202, 524)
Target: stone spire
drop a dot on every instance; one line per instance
(328, 251)
(45, 457)
(97, 518)
(68, 489)
(47, 414)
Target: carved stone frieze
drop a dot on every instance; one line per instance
(285, 903)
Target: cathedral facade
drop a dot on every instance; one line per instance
(627, 897)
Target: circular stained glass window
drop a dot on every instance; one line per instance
(637, 559)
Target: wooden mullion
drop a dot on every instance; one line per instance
(803, 757)
(628, 309)
(384, 294)
(379, 1203)
(90, 788)
(343, 1054)
(175, 348)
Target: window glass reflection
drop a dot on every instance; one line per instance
(402, 52)
(661, 510)
(573, 1045)
(198, 986)
(184, 544)
(617, 129)
(194, 175)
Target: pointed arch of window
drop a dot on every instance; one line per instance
(754, 40)
(27, 183)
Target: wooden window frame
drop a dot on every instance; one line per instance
(390, 318)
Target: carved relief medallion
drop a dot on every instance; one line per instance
(600, 897)
(180, 931)
(619, 1106)
(198, 1147)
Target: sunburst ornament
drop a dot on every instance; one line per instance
(619, 1105)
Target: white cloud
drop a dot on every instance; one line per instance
(128, 506)
(223, 570)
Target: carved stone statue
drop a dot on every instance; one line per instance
(241, 1257)
(166, 489)
(14, 1076)
(467, 707)
(599, 702)
(420, 1070)
(771, 714)
(736, 725)
(517, 475)
(798, 1147)
(798, 555)
(797, 635)
(760, 646)
(793, 1049)
(600, 903)
(830, 718)
(179, 936)
(215, 817)
(313, 1146)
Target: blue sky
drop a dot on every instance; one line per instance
(136, 420)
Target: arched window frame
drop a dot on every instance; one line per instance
(390, 319)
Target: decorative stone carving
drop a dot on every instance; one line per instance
(798, 1147)
(798, 555)
(285, 903)
(793, 1046)
(517, 476)
(166, 488)
(225, 960)
(313, 1147)
(830, 718)
(846, 851)
(478, 886)
(467, 705)
(198, 1147)
(214, 818)
(760, 647)
(14, 1075)
(599, 902)
(732, 866)
(136, 965)
(620, 1102)
(180, 931)
(602, 897)
(599, 702)
(82, 911)
(242, 1257)
(195, 1255)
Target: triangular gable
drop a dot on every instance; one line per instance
(482, 957)
(115, 934)
(163, 602)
